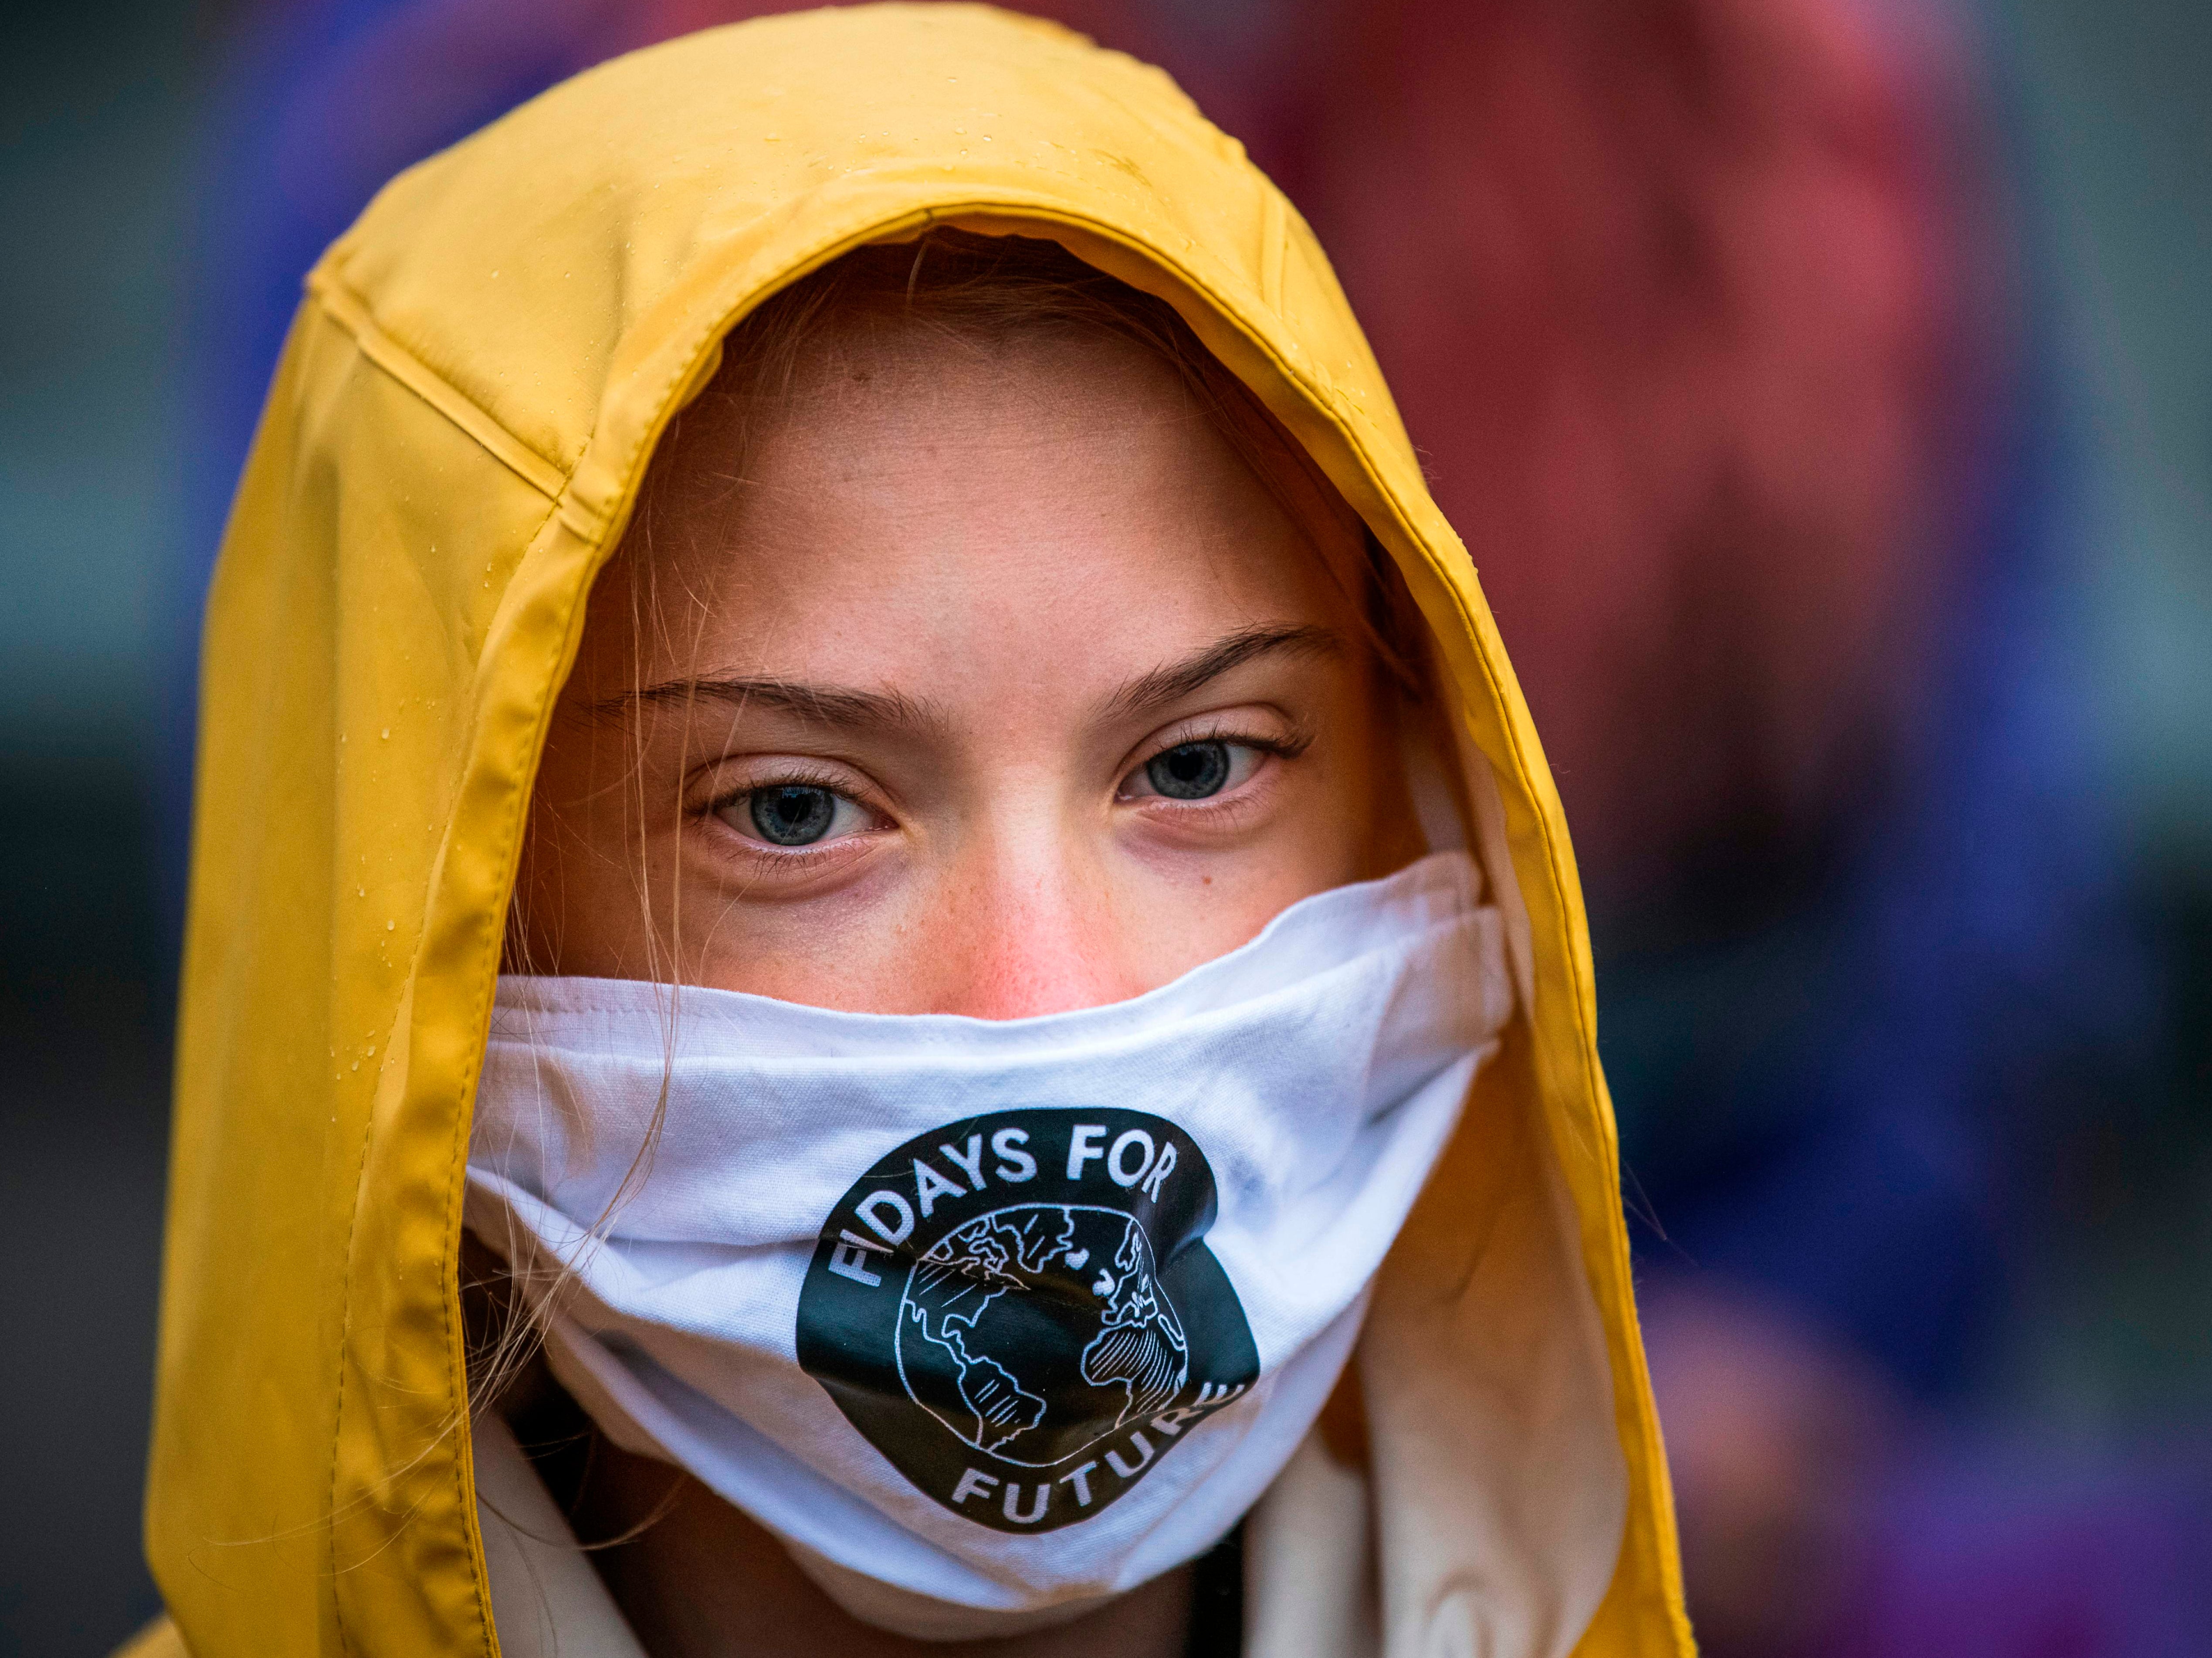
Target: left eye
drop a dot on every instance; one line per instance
(1192, 771)
(792, 813)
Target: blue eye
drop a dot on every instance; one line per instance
(792, 813)
(1189, 771)
(796, 814)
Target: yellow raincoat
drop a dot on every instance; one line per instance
(451, 447)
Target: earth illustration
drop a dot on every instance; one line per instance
(1034, 1331)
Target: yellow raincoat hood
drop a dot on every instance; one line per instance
(451, 448)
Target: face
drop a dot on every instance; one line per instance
(977, 680)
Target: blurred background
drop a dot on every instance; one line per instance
(1825, 389)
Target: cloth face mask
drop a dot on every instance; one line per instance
(987, 1321)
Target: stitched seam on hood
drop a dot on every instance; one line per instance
(350, 311)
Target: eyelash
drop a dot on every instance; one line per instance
(1282, 747)
(791, 777)
(1286, 748)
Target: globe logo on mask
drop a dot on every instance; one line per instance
(1068, 1294)
(1020, 1311)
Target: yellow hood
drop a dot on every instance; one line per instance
(451, 450)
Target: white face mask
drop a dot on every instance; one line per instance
(988, 1320)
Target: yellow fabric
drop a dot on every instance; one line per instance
(451, 446)
(159, 1639)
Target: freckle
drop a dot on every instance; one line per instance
(1206, 880)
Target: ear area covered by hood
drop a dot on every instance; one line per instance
(452, 445)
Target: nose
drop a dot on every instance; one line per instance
(1026, 929)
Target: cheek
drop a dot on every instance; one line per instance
(1072, 914)
(1166, 924)
(591, 861)
(1335, 823)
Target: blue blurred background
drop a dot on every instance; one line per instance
(1907, 1005)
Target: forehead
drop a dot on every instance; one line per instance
(913, 496)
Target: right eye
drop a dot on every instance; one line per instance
(794, 814)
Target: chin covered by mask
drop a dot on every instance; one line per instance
(988, 1320)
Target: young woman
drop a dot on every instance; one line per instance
(880, 960)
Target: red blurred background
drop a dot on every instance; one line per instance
(1820, 387)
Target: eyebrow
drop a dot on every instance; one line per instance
(838, 707)
(845, 708)
(1177, 680)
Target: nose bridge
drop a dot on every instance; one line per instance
(1030, 927)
